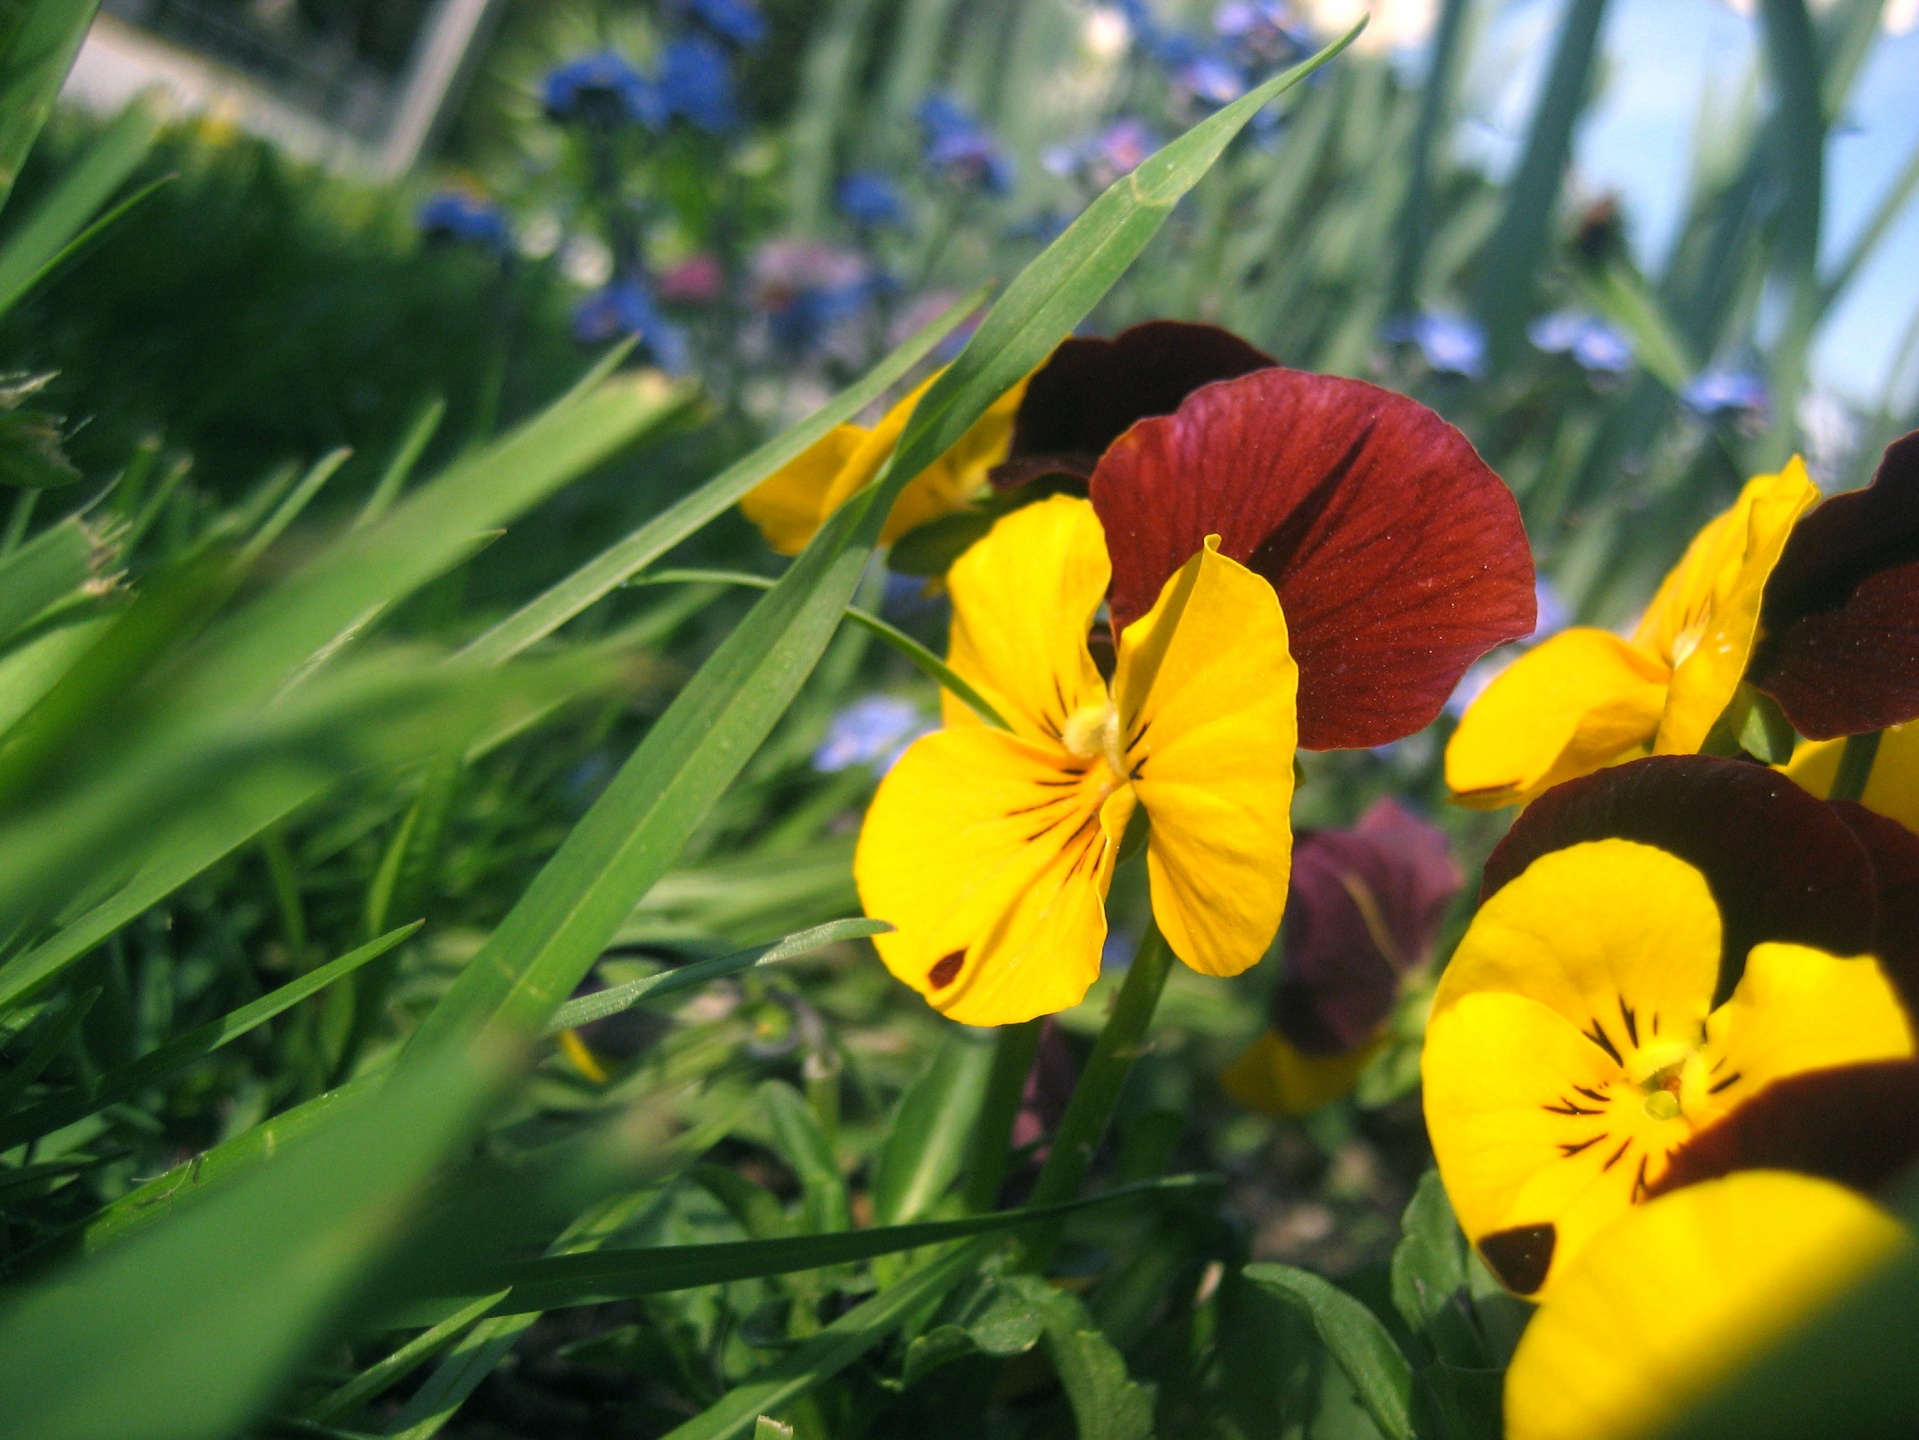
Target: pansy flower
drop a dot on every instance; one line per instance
(792, 503)
(1364, 913)
(1676, 1298)
(1664, 949)
(1286, 559)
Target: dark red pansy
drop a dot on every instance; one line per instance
(1857, 1124)
(1782, 864)
(1365, 907)
(1893, 851)
(1840, 619)
(1084, 397)
(1399, 557)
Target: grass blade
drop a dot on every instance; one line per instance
(38, 40)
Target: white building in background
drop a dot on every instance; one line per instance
(256, 67)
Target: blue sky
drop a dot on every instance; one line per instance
(1663, 59)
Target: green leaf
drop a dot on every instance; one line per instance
(57, 565)
(618, 564)
(1355, 1338)
(402, 1362)
(603, 1003)
(1107, 1404)
(804, 1146)
(51, 231)
(38, 40)
(176, 1054)
(928, 664)
(1467, 1403)
(931, 1128)
(188, 1331)
(931, 549)
(1429, 1277)
(56, 1028)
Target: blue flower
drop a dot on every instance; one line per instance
(806, 288)
(1211, 80)
(1595, 345)
(735, 20)
(1450, 344)
(959, 148)
(1262, 34)
(696, 84)
(470, 219)
(872, 731)
(870, 200)
(602, 89)
(1101, 159)
(625, 307)
(1716, 394)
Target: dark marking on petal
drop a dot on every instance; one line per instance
(1591, 1094)
(1613, 1159)
(1732, 1079)
(1567, 1107)
(1521, 1256)
(946, 970)
(1040, 805)
(1571, 1149)
(1599, 1037)
(1632, 1023)
(1655, 1022)
(1639, 1181)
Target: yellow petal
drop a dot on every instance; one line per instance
(1680, 1294)
(1704, 620)
(992, 855)
(1568, 707)
(1540, 1137)
(1274, 1076)
(1620, 938)
(1795, 1009)
(1023, 601)
(953, 480)
(1206, 689)
(1892, 790)
(791, 503)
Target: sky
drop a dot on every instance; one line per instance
(1667, 63)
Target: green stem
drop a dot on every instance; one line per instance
(1855, 766)
(991, 1150)
(1094, 1098)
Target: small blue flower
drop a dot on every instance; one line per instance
(871, 200)
(1262, 34)
(1595, 345)
(872, 731)
(959, 149)
(1211, 80)
(467, 218)
(1717, 394)
(1450, 344)
(735, 20)
(696, 84)
(625, 307)
(602, 89)
(1101, 159)
(806, 288)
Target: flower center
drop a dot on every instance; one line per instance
(1093, 731)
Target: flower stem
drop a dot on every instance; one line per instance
(987, 1160)
(1091, 1108)
(1855, 766)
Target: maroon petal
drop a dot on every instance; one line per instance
(1781, 863)
(1841, 614)
(1857, 1124)
(1894, 853)
(1365, 906)
(1090, 391)
(1399, 558)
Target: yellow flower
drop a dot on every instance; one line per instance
(1586, 698)
(1893, 787)
(1574, 1047)
(1678, 1296)
(793, 502)
(991, 850)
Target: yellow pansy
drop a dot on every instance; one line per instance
(1586, 698)
(1574, 1046)
(792, 503)
(1892, 789)
(1676, 1297)
(991, 850)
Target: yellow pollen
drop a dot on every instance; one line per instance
(1093, 730)
(1662, 1105)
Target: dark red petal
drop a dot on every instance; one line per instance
(1841, 614)
(1399, 558)
(1364, 908)
(1782, 864)
(1894, 852)
(1090, 391)
(1857, 1124)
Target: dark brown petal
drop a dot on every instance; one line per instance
(1841, 614)
(1090, 391)
(1782, 864)
(1399, 558)
(1857, 1124)
(1894, 853)
(1364, 908)
(1521, 1256)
